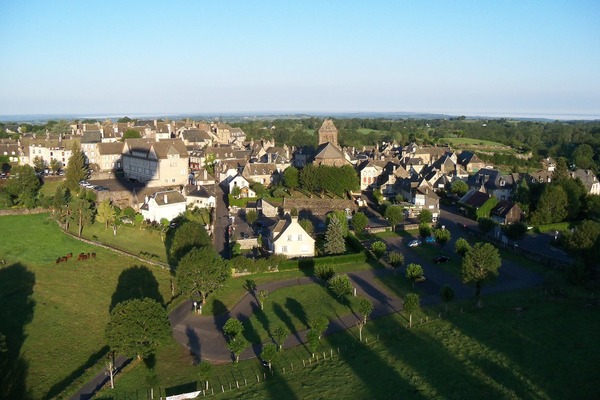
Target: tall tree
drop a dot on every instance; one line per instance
(396, 260)
(82, 211)
(411, 306)
(365, 308)
(442, 236)
(237, 346)
(312, 338)
(39, 165)
(291, 177)
(201, 271)
(447, 294)
(233, 328)
(187, 236)
(76, 169)
(425, 217)
(279, 335)
(341, 216)
(60, 128)
(106, 213)
(308, 178)
(23, 186)
(138, 327)
(414, 272)
(359, 222)
(318, 323)
(394, 215)
(334, 237)
(552, 206)
(268, 353)
(480, 265)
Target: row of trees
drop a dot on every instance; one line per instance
(338, 180)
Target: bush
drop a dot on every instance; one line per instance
(486, 224)
(424, 230)
(378, 248)
(129, 212)
(304, 263)
(324, 272)
(515, 231)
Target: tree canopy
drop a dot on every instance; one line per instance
(138, 327)
(188, 235)
(479, 265)
(76, 169)
(334, 237)
(201, 272)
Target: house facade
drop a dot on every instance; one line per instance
(166, 204)
(163, 163)
(288, 238)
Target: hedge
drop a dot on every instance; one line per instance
(329, 260)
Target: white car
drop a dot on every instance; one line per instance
(414, 243)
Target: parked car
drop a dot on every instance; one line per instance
(414, 243)
(441, 259)
(430, 239)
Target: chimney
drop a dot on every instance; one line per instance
(166, 199)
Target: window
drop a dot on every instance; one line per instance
(289, 238)
(300, 237)
(284, 249)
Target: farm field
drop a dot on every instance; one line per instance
(54, 315)
(473, 142)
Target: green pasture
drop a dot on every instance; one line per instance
(472, 142)
(54, 315)
(524, 344)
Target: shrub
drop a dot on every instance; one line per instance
(324, 272)
(378, 248)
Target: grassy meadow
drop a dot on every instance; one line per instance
(54, 315)
(523, 345)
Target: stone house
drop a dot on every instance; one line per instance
(166, 204)
(288, 238)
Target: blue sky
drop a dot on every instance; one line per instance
(164, 57)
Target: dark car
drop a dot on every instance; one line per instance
(441, 259)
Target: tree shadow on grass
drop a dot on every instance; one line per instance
(136, 282)
(16, 311)
(285, 318)
(297, 310)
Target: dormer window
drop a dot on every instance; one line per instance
(502, 183)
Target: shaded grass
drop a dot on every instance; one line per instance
(71, 300)
(496, 352)
(429, 251)
(49, 187)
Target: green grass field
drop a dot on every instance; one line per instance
(54, 316)
(545, 350)
(473, 142)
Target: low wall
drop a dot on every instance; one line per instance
(247, 244)
(24, 211)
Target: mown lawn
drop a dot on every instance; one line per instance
(54, 316)
(522, 345)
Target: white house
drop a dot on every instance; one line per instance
(167, 205)
(200, 197)
(291, 240)
(243, 184)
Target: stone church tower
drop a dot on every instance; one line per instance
(328, 133)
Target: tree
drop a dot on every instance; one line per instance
(268, 353)
(204, 372)
(291, 177)
(334, 237)
(60, 128)
(447, 294)
(201, 271)
(236, 191)
(414, 272)
(55, 165)
(411, 306)
(233, 328)
(396, 260)
(76, 169)
(378, 248)
(480, 265)
(189, 235)
(516, 231)
(82, 211)
(23, 186)
(552, 206)
(394, 215)
(138, 327)
(262, 296)
(279, 334)
(584, 242)
(461, 246)
(424, 230)
(111, 370)
(583, 157)
(425, 217)
(341, 216)
(359, 222)
(340, 285)
(106, 213)
(442, 236)
(318, 323)
(251, 217)
(308, 178)
(39, 165)
(237, 346)
(365, 308)
(486, 225)
(312, 338)
(459, 188)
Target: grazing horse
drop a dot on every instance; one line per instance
(81, 256)
(70, 255)
(94, 255)
(58, 260)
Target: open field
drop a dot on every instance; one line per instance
(473, 142)
(54, 315)
(522, 345)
